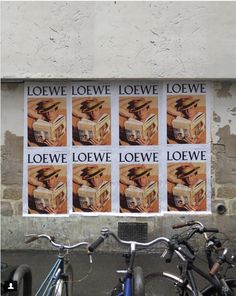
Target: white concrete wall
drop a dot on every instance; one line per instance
(118, 39)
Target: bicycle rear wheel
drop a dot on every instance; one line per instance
(165, 284)
(64, 285)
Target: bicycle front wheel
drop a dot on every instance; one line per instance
(138, 282)
(165, 284)
(64, 285)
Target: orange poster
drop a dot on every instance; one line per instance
(92, 188)
(47, 189)
(91, 121)
(186, 119)
(138, 121)
(139, 190)
(47, 119)
(186, 186)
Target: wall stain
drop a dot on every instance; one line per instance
(233, 111)
(12, 160)
(216, 117)
(224, 91)
(225, 157)
(10, 86)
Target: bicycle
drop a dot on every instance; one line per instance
(59, 280)
(133, 282)
(186, 284)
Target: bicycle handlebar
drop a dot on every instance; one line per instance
(191, 223)
(201, 229)
(33, 237)
(211, 242)
(105, 233)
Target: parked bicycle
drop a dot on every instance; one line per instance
(186, 283)
(59, 280)
(133, 282)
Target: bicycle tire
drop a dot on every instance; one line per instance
(138, 282)
(210, 289)
(23, 277)
(165, 284)
(64, 285)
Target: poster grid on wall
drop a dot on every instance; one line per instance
(137, 148)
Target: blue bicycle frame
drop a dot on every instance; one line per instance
(60, 270)
(128, 287)
(128, 281)
(133, 282)
(48, 286)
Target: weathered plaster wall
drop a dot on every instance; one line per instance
(14, 226)
(224, 145)
(118, 39)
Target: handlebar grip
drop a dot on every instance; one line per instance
(95, 244)
(31, 239)
(176, 226)
(215, 268)
(169, 255)
(214, 230)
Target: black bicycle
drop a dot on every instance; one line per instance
(186, 283)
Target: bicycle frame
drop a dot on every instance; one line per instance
(48, 285)
(128, 281)
(58, 269)
(217, 281)
(128, 287)
(191, 280)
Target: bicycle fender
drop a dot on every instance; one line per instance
(176, 278)
(138, 282)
